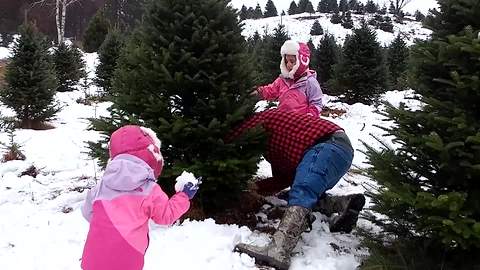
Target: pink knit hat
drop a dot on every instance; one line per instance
(140, 142)
(301, 51)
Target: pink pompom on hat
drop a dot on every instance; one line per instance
(137, 141)
(301, 51)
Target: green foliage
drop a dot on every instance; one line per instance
(347, 21)
(429, 194)
(419, 17)
(361, 75)
(327, 56)
(257, 12)
(317, 29)
(185, 75)
(327, 6)
(108, 55)
(293, 9)
(397, 58)
(96, 32)
(305, 6)
(336, 18)
(371, 7)
(124, 14)
(30, 78)
(69, 66)
(270, 9)
(343, 6)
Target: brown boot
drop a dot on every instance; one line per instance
(277, 253)
(348, 207)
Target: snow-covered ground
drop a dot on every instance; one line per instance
(42, 227)
(298, 28)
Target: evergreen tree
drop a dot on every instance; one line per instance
(386, 24)
(343, 6)
(283, 13)
(270, 9)
(397, 57)
(257, 13)
(317, 29)
(371, 7)
(272, 52)
(250, 13)
(336, 18)
(332, 6)
(6, 39)
(244, 13)
(185, 75)
(327, 56)
(347, 21)
(352, 5)
(95, 33)
(419, 16)
(428, 195)
(391, 8)
(383, 10)
(309, 8)
(322, 6)
(30, 80)
(361, 74)
(293, 9)
(108, 55)
(305, 6)
(69, 66)
(313, 55)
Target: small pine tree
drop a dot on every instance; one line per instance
(313, 55)
(270, 9)
(332, 6)
(243, 13)
(69, 66)
(427, 199)
(250, 13)
(361, 75)
(189, 80)
(322, 6)
(30, 77)
(309, 8)
(343, 6)
(383, 10)
(317, 29)
(347, 21)
(327, 56)
(108, 55)
(6, 39)
(336, 18)
(257, 12)
(391, 8)
(293, 9)
(419, 16)
(95, 33)
(283, 13)
(397, 58)
(371, 7)
(272, 52)
(305, 6)
(386, 24)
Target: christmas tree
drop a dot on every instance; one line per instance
(30, 77)
(96, 32)
(293, 9)
(429, 193)
(327, 56)
(257, 13)
(347, 21)
(361, 74)
(184, 74)
(397, 58)
(69, 66)
(108, 55)
(317, 29)
(270, 9)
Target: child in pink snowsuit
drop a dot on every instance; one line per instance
(297, 88)
(120, 205)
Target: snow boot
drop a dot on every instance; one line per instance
(348, 207)
(277, 253)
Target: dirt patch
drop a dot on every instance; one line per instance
(333, 112)
(242, 215)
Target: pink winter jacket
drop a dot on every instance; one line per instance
(118, 209)
(303, 95)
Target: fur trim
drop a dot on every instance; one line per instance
(290, 47)
(284, 70)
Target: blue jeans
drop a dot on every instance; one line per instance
(321, 168)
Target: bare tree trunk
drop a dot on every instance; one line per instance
(64, 14)
(58, 22)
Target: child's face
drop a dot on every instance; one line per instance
(290, 61)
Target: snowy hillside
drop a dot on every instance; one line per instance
(42, 227)
(298, 27)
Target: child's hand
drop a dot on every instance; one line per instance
(191, 189)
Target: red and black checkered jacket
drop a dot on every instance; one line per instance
(290, 134)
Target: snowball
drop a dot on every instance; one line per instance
(183, 179)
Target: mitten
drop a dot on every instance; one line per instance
(191, 189)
